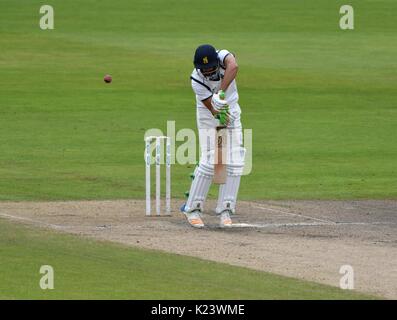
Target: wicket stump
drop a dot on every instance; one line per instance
(148, 161)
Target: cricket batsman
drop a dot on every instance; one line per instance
(213, 82)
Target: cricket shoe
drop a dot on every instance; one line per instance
(193, 217)
(225, 220)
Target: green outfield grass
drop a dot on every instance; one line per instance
(85, 269)
(321, 101)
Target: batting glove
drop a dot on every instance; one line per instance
(223, 116)
(217, 102)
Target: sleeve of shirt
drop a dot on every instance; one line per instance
(222, 54)
(202, 91)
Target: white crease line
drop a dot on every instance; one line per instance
(234, 225)
(277, 225)
(304, 224)
(9, 216)
(368, 223)
(49, 225)
(294, 214)
(373, 208)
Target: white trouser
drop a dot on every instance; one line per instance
(207, 124)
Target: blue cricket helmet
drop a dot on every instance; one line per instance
(205, 57)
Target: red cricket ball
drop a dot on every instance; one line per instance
(107, 78)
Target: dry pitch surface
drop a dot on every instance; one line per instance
(310, 240)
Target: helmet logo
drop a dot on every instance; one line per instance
(205, 60)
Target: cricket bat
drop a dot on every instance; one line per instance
(220, 154)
